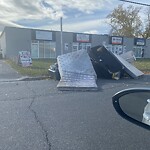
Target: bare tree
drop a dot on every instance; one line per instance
(126, 21)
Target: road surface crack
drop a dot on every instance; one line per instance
(45, 132)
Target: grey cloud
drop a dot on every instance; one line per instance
(27, 6)
(86, 6)
(4, 23)
(21, 9)
(16, 10)
(8, 23)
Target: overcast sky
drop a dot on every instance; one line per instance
(85, 16)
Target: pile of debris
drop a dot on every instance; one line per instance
(80, 69)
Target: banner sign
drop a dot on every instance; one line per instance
(24, 59)
(116, 40)
(82, 38)
(139, 42)
(44, 35)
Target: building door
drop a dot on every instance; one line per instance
(138, 51)
(34, 50)
(75, 47)
(88, 46)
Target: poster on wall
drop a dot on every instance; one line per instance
(24, 59)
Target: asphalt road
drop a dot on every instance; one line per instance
(34, 115)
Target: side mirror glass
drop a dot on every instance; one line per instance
(134, 105)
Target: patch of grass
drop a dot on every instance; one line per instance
(39, 67)
(143, 65)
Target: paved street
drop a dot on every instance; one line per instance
(36, 116)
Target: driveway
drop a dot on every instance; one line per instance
(7, 72)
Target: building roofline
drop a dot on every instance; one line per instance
(49, 30)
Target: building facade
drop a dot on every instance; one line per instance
(47, 44)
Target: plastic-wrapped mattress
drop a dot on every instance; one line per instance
(76, 71)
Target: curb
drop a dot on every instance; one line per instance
(26, 79)
(33, 78)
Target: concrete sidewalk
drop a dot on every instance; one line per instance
(7, 72)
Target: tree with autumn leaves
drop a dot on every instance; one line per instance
(128, 22)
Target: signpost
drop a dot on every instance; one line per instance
(24, 59)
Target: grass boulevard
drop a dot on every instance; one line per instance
(40, 67)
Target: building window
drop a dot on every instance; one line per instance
(35, 50)
(75, 46)
(53, 50)
(43, 49)
(138, 51)
(81, 46)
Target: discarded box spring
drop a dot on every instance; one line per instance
(105, 64)
(76, 71)
(109, 65)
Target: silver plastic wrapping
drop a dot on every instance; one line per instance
(128, 56)
(129, 68)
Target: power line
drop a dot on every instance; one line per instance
(135, 3)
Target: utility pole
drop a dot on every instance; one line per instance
(61, 36)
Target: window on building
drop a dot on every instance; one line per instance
(34, 50)
(75, 46)
(88, 46)
(47, 49)
(53, 50)
(43, 49)
(138, 51)
(81, 46)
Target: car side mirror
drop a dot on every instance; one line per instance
(134, 105)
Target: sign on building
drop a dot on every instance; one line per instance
(82, 38)
(24, 59)
(139, 42)
(43, 35)
(116, 40)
